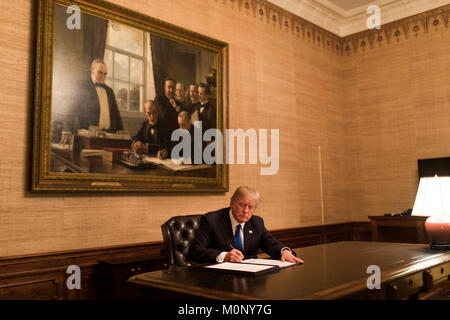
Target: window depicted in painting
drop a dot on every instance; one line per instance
(128, 53)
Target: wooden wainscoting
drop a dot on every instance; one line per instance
(44, 276)
(309, 236)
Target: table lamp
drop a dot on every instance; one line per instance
(433, 200)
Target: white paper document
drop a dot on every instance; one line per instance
(170, 165)
(58, 146)
(270, 262)
(243, 267)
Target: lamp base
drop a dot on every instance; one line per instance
(440, 245)
(438, 231)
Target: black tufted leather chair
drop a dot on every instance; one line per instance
(178, 233)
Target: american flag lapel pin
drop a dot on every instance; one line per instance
(250, 231)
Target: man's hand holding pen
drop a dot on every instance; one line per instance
(234, 255)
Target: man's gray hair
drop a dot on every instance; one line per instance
(97, 61)
(151, 103)
(244, 190)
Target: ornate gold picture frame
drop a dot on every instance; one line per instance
(111, 88)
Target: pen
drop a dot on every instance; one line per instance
(231, 247)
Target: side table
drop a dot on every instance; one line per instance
(409, 229)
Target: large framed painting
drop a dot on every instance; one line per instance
(126, 103)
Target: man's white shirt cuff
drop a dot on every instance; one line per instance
(221, 257)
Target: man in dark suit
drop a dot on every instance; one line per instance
(230, 234)
(206, 110)
(153, 137)
(94, 103)
(168, 107)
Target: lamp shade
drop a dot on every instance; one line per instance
(433, 200)
(433, 197)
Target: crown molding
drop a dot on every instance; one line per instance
(314, 12)
(398, 30)
(321, 38)
(390, 12)
(342, 23)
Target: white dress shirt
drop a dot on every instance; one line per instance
(104, 119)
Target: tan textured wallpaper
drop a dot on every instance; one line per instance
(351, 129)
(397, 106)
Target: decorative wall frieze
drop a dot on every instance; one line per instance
(398, 31)
(286, 21)
(390, 33)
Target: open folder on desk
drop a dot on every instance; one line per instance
(241, 268)
(253, 267)
(280, 264)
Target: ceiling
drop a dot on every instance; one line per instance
(348, 4)
(345, 17)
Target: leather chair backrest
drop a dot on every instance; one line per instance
(178, 233)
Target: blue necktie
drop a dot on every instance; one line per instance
(237, 238)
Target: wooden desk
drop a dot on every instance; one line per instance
(331, 271)
(409, 229)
